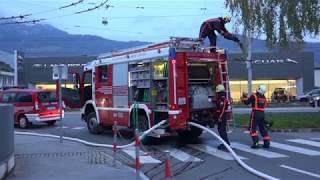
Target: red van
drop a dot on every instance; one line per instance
(32, 105)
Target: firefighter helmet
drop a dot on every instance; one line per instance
(262, 88)
(220, 88)
(227, 19)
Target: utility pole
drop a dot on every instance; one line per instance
(15, 64)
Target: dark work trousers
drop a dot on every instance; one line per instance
(257, 120)
(222, 128)
(206, 32)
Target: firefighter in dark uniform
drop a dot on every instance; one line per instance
(257, 118)
(222, 105)
(209, 27)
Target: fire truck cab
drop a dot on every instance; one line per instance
(138, 88)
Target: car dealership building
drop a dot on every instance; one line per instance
(293, 71)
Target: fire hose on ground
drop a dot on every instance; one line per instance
(238, 160)
(90, 143)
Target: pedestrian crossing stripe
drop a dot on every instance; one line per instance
(178, 154)
(295, 149)
(144, 159)
(213, 151)
(306, 142)
(259, 152)
(185, 157)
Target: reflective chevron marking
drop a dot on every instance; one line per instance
(213, 151)
(144, 159)
(178, 154)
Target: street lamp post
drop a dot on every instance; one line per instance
(249, 64)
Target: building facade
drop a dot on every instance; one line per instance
(6, 69)
(293, 72)
(38, 71)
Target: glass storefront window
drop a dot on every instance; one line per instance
(288, 87)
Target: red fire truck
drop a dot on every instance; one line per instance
(138, 88)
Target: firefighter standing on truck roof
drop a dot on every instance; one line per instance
(217, 24)
(257, 118)
(222, 106)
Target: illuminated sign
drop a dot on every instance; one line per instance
(274, 61)
(43, 66)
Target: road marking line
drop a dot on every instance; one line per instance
(178, 154)
(295, 149)
(259, 152)
(144, 159)
(301, 171)
(63, 127)
(304, 141)
(246, 132)
(77, 128)
(213, 151)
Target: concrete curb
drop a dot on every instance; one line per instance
(296, 130)
(287, 130)
(7, 166)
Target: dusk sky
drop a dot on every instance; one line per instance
(144, 20)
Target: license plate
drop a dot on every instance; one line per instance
(51, 108)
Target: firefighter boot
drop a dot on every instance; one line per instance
(222, 147)
(266, 143)
(255, 144)
(211, 124)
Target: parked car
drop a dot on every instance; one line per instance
(313, 99)
(32, 105)
(306, 97)
(71, 98)
(281, 95)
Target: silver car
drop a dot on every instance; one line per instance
(306, 97)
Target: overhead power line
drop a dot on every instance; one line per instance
(15, 17)
(93, 8)
(41, 12)
(23, 22)
(72, 4)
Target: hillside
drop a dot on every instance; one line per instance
(46, 40)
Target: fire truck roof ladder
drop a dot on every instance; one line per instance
(177, 42)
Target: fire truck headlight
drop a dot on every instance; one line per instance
(175, 117)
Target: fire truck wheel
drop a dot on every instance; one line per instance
(92, 124)
(23, 122)
(192, 133)
(142, 123)
(51, 123)
(143, 126)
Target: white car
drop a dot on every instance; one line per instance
(306, 97)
